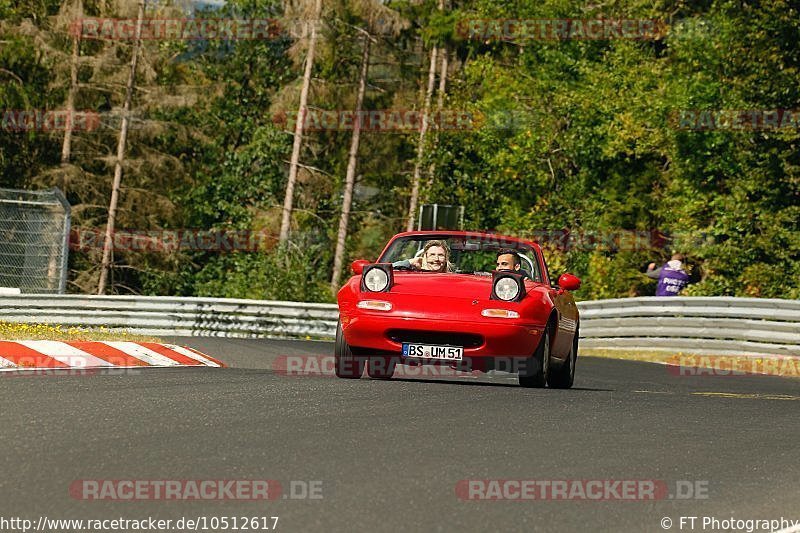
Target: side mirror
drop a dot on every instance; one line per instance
(568, 282)
(358, 266)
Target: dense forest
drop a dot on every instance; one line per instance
(613, 132)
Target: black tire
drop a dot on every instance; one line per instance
(536, 368)
(348, 365)
(381, 367)
(564, 376)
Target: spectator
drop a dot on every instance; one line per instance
(671, 276)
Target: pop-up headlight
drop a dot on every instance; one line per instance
(508, 285)
(377, 277)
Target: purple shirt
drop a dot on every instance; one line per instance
(671, 281)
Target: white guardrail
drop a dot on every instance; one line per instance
(713, 325)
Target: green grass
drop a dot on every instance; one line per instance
(12, 331)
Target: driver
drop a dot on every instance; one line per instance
(435, 257)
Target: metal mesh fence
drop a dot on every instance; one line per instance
(34, 240)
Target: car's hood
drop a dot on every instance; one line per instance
(447, 297)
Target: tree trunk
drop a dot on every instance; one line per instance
(66, 147)
(415, 181)
(123, 138)
(350, 176)
(439, 104)
(442, 79)
(288, 199)
(412, 207)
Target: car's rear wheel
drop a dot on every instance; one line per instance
(381, 367)
(564, 377)
(534, 372)
(348, 364)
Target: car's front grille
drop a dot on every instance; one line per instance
(467, 340)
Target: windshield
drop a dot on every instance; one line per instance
(467, 255)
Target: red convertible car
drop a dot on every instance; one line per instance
(474, 301)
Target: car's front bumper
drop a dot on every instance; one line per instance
(489, 339)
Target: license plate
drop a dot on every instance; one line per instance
(433, 351)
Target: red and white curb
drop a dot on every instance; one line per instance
(29, 355)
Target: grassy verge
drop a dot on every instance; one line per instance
(650, 357)
(723, 365)
(12, 331)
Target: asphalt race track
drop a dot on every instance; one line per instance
(388, 455)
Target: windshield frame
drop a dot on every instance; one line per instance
(467, 242)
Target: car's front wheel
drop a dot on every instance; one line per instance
(564, 377)
(535, 370)
(348, 364)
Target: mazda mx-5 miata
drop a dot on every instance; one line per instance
(452, 298)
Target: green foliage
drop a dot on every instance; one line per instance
(279, 275)
(577, 135)
(594, 146)
(24, 77)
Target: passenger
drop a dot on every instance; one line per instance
(508, 260)
(435, 257)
